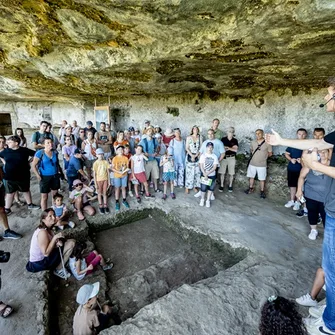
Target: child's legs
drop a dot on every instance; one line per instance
(78, 203)
(172, 186)
(89, 258)
(88, 209)
(124, 193)
(146, 187)
(319, 281)
(165, 187)
(136, 190)
(124, 182)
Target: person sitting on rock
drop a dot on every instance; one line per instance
(81, 266)
(78, 197)
(75, 169)
(45, 247)
(62, 213)
(87, 319)
(279, 316)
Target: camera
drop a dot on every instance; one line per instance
(4, 256)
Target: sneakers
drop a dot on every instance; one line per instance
(108, 267)
(197, 195)
(33, 206)
(138, 199)
(313, 234)
(131, 194)
(317, 312)
(220, 189)
(101, 210)
(173, 196)
(117, 206)
(302, 213)
(306, 300)
(11, 234)
(149, 196)
(319, 219)
(106, 210)
(202, 202)
(230, 189)
(296, 206)
(249, 190)
(125, 203)
(158, 191)
(164, 197)
(316, 326)
(8, 211)
(208, 203)
(62, 274)
(71, 224)
(289, 204)
(262, 195)
(212, 196)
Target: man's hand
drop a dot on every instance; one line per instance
(273, 139)
(310, 158)
(293, 160)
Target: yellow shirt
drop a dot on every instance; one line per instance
(120, 163)
(100, 167)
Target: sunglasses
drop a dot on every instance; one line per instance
(78, 185)
(82, 131)
(176, 129)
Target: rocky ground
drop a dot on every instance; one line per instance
(280, 259)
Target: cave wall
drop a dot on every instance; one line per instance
(285, 114)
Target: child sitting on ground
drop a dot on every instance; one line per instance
(81, 266)
(78, 197)
(169, 173)
(101, 180)
(88, 320)
(138, 173)
(120, 168)
(126, 152)
(61, 212)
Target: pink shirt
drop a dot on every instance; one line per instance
(35, 253)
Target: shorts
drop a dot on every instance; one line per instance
(93, 259)
(2, 195)
(168, 176)
(88, 163)
(102, 186)
(121, 182)
(292, 178)
(47, 263)
(204, 187)
(141, 177)
(49, 183)
(260, 171)
(229, 163)
(151, 167)
(12, 186)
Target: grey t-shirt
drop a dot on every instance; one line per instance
(330, 197)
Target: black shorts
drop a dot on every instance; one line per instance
(292, 178)
(49, 183)
(2, 194)
(12, 186)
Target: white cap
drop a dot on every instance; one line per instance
(87, 292)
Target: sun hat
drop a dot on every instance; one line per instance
(148, 128)
(87, 292)
(168, 132)
(99, 151)
(76, 182)
(68, 126)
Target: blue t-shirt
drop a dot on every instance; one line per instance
(47, 166)
(149, 147)
(74, 166)
(294, 153)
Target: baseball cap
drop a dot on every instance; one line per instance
(89, 123)
(76, 182)
(99, 151)
(119, 146)
(131, 129)
(209, 144)
(87, 292)
(78, 151)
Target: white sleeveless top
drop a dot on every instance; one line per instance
(88, 151)
(35, 253)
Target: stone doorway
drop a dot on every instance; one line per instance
(5, 124)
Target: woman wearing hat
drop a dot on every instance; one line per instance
(192, 175)
(88, 320)
(168, 136)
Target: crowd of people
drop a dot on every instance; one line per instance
(134, 162)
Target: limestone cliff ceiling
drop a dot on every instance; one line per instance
(80, 49)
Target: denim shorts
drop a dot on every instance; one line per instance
(121, 182)
(204, 187)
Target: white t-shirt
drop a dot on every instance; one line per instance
(72, 265)
(168, 165)
(209, 160)
(138, 163)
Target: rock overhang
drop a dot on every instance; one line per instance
(79, 49)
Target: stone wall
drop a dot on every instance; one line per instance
(285, 114)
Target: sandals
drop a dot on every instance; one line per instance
(6, 311)
(249, 190)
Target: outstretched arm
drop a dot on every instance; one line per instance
(275, 139)
(311, 161)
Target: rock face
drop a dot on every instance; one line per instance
(66, 49)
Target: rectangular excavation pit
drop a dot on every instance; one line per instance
(155, 255)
